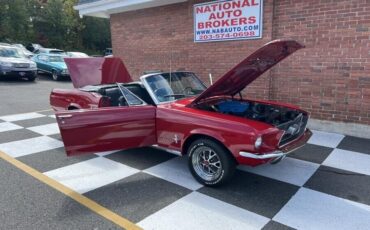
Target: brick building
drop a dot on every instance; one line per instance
(330, 77)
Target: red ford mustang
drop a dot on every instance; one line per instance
(216, 127)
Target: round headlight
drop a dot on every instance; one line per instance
(258, 142)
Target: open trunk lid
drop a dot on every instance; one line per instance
(96, 71)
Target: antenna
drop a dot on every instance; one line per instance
(171, 68)
(210, 79)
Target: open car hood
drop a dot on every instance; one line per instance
(251, 68)
(95, 71)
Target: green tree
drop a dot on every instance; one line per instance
(52, 23)
(96, 33)
(73, 26)
(15, 20)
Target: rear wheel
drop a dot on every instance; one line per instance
(210, 163)
(55, 75)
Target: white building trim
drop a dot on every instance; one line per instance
(104, 8)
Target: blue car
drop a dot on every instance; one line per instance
(53, 64)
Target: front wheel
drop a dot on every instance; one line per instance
(55, 76)
(31, 78)
(210, 163)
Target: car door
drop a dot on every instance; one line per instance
(42, 62)
(105, 129)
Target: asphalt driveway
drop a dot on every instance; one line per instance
(21, 96)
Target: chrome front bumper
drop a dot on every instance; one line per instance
(300, 142)
(273, 154)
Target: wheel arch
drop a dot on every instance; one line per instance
(73, 106)
(195, 136)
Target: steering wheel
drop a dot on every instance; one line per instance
(188, 91)
(161, 93)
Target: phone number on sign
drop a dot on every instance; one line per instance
(229, 35)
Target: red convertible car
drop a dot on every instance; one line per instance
(216, 127)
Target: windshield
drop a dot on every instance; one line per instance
(169, 87)
(77, 54)
(56, 59)
(56, 51)
(20, 46)
(10, 52)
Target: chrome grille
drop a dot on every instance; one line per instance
(293, 129)
(21, 65)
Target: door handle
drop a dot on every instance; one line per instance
(65, 116)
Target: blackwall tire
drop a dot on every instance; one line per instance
(31, 78)
(210, 163)
(55, 76)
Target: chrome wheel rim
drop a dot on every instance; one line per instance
(55, 76)
(206, 163)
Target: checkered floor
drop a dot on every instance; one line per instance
(324, 185)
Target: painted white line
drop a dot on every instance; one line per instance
(349, 160)
(309, 209)
(30, 146)
(175, 171)
(102, 154)
(83, 200)
(289, 170)
(48, 129)
(198, 211)
(7, 126)
(325, 139)
(91, 174)
(22, 116)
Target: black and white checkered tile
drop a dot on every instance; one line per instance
(324, 185)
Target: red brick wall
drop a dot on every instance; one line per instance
(330, 78)
(146, 38)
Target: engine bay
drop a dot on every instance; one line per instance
(271, 114)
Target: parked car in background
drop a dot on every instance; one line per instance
(77, 55)
(23, 49)
(52, 64)
(50, 51)
(33, 47)
(13, 63)
(216, 127)
(108, 51)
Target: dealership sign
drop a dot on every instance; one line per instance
(228, 20)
